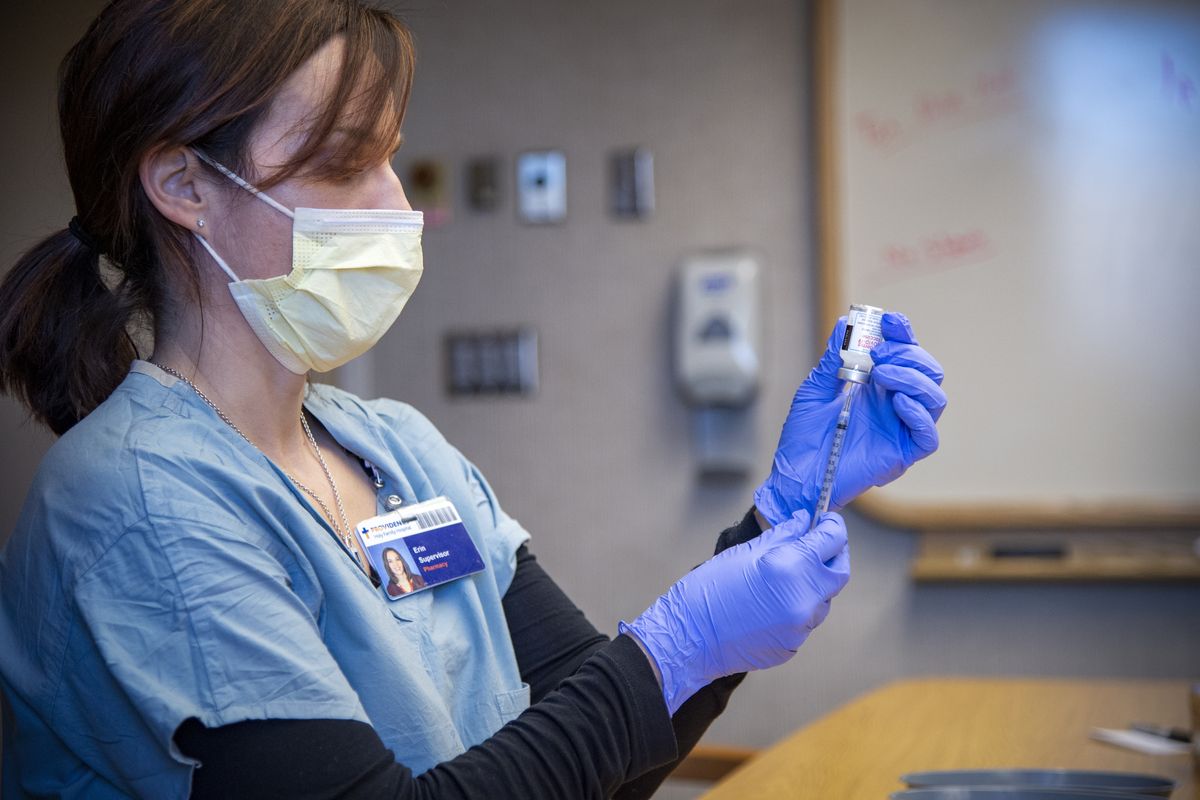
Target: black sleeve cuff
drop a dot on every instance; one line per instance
(744, 531)
(654, 735)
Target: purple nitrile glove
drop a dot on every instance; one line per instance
(749, 607)
(892, 424)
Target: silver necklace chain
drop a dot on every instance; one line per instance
(344, 531)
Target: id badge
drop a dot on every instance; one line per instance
(418, 547)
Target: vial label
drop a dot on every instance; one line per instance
(863, 330)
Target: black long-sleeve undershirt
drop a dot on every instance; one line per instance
(597, 727)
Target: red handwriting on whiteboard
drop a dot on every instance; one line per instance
(932, 107)
(1178, 87)
(983, 95)
(998, 83)
(879, 132)
(936, 251)
(955, 247)
(901, 256)
(988, 92)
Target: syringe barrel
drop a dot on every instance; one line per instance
(835, 455)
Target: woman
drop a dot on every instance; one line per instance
(400, 579)
(205, 622)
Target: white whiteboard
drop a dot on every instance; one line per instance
(1023, 180)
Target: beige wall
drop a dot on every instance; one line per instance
(597, 464)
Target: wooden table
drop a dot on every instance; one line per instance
(861, 749)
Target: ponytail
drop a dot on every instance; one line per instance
(64, 340)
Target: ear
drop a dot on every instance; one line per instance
(171, 178)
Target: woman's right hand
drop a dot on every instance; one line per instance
(749, 607)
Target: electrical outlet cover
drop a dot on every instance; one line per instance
(542, 186)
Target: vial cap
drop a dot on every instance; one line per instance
(854, 375)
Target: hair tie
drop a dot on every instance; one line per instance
(81, 235)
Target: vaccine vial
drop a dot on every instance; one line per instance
(862, 333)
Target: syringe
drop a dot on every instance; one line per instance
(835, 453)
(863, 331)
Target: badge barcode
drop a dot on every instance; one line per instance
(436, 517)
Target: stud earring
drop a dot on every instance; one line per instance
(199, 223)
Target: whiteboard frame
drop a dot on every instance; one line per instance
(1066, 514)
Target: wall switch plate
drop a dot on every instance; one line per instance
(542, 186)
(632, 183)
(425, 185)
(483, 183)
(492, 362)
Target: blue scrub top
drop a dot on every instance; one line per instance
(162, 568)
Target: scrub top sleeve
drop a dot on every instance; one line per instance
(198, 622)
(506, 536)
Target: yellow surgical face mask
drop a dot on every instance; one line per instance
(352, 272)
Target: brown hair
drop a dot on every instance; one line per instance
(150, 74)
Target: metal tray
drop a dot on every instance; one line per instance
(1011, 793)
(1120, 782)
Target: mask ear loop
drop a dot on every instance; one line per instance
(233, 176)
(220, 261)
(261, 195)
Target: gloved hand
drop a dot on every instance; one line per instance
(892, 424)
(749, 607)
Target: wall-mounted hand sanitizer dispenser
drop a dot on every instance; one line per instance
(717, 359)
(719, 333)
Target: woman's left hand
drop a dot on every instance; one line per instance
(892, 424)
